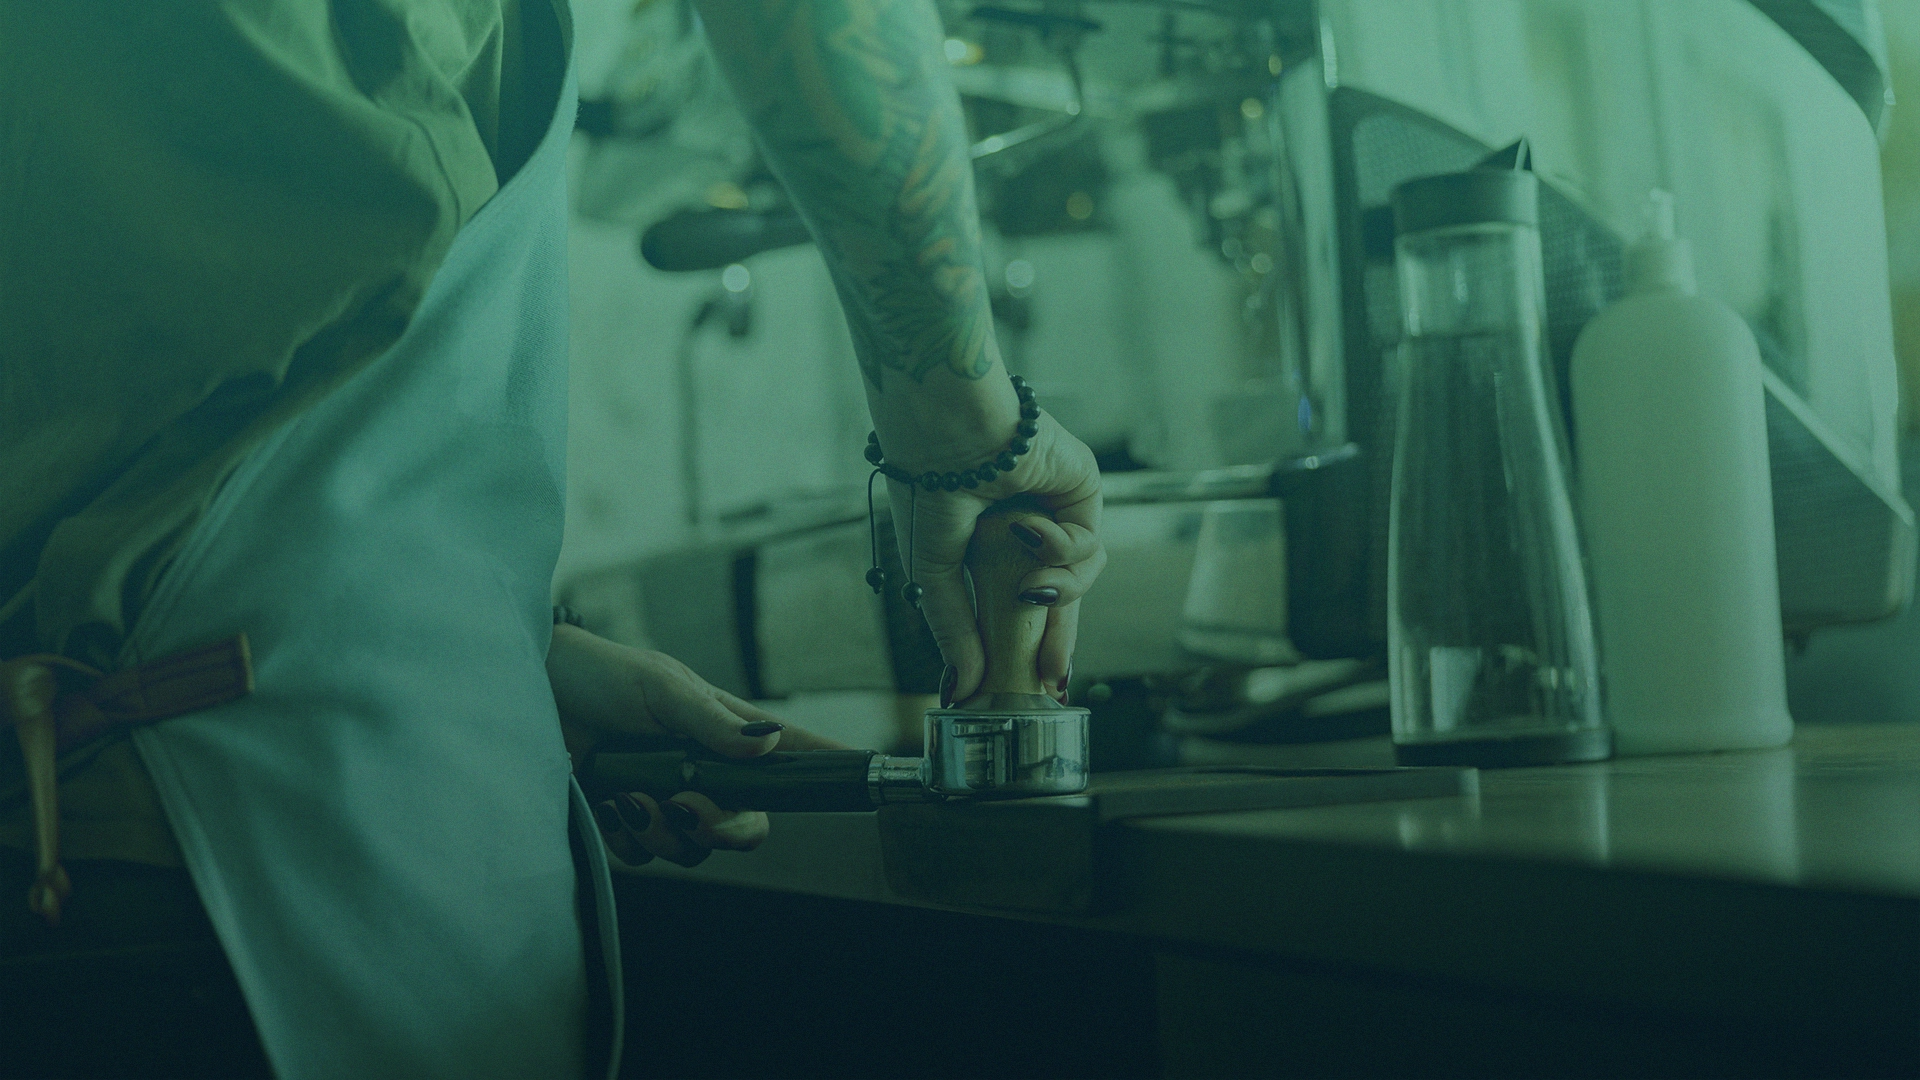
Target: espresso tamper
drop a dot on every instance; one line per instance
(1010, 740)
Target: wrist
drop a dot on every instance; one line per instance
(1004, 461)
(583, 670)
(942, 428)
(566, 660)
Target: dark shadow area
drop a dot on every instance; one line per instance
(1274, 1019)
(737, 983)
(132, 984)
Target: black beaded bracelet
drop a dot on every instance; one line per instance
(1003, 462)
(565, 614)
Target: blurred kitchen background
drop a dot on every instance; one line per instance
(1192, 262)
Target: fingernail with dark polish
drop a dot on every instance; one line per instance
(761, 729)
(634, 816)
(680, 818)
(1045, 596)
(947, 678)
(1026, 535)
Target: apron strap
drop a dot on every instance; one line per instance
(56, 704)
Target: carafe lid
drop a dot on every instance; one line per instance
(1478, 196)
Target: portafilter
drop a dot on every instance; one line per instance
(1010, 740)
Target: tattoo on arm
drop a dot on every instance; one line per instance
(857, 119)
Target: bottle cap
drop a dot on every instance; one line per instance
(1466, 198)
(1661, 260)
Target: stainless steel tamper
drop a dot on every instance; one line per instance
(1011, 740)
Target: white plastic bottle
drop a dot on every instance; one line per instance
(1677, 501)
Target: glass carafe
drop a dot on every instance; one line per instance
(1492, 656)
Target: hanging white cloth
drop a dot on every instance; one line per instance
(380, 832)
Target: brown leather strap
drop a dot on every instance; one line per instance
(179, 684)
(50, 721)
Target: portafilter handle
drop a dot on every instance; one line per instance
(781, 781)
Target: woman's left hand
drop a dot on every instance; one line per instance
(604, 688)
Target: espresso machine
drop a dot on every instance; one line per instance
(1191, 256)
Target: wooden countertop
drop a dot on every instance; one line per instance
(1782, 882)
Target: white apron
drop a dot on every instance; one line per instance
(380, 832)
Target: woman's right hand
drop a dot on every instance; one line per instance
(857, 114)
(1059, 475)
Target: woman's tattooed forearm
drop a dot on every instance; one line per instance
(846, 98)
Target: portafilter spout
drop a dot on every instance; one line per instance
(1010, 740)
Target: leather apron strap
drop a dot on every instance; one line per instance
(56, 704)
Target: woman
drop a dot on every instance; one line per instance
(282, 295)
